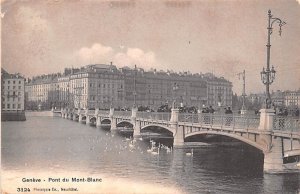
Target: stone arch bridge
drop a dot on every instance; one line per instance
(277, 138)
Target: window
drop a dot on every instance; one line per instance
(19, 82)
(14, 87)
(8, 105)
(8, 82)
(14, 82)
(19, 105)
(13, 106)
(7, 87)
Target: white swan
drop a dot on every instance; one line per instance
(131, 145)
(169, 150)
(190, 153)
(127, 139)
(155, 153)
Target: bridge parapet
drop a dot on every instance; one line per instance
(90, 112)
(126, 114)
(162, 116)
(103, 112)
(286, 123)
(221, 121)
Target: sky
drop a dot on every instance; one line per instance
(200, 36)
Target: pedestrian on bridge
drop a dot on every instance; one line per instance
(228, 118)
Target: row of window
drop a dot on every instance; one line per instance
(13, 82)
(13, 93)
(12, 99)
(108, 85)
(9, 106)
(14, 87)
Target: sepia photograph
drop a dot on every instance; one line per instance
(150, 97)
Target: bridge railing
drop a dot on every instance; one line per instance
(161, 116)
(188, 118)
(286, 123)
(91, 112)
(123, 113)
(221, 120)
(103, 112)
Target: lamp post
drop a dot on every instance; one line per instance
(243, 74)
(134, 85)
(175, 88)
(268, 75)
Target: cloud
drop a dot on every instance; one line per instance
(99, 53)
(136, 56)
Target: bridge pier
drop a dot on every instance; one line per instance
(178, 132)
(98, 121)
(136, 124)
(74, 117)
(113, 124)
(273, 159)
(87, 120)
(113, 121)
(178, 136)
(80, 118)
(137, 129)
(273, 146)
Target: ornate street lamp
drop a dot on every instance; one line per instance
(268, 75)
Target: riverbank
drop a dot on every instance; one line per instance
(41, 114)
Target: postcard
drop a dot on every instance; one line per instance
(150, 97)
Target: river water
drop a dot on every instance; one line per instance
(44, 147)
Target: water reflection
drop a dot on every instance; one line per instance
(59, 145)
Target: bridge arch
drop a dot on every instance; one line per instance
(93, 119)
(83, 117)
(124, 123)
(166, 128)
(234, 136)
(105, 121)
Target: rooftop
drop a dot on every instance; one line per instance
(6, 75)
(127, 71)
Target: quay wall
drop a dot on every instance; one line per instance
(13, 116)
(41, 114)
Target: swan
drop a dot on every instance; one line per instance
(155, 153)
(169, 150)
(190, 153)
(131, 144)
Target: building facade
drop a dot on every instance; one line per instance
(102, 86)
(292, 99)
(12, 92)
(219, 91)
